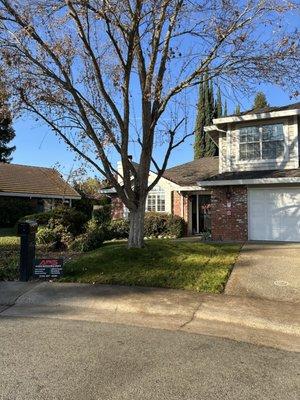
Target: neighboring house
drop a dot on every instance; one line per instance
(251, 191)
(44, 186)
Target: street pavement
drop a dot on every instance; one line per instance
(47, 359)
(256, 321)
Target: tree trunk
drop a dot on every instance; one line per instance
(136, 231)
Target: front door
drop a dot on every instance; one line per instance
(199, 212)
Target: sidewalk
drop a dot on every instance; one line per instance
(262, 322)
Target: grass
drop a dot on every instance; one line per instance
(190, 265)
(9, 254)
(196, 266)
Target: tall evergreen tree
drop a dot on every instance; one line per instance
(199, 144)
(225, 109)
(260, 101)
(218, 106)
(237, 110)
(7, 132)
(206, 111)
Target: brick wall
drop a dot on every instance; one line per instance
(117, 208)
(229, 220)
(180, 207)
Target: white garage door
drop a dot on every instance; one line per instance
(274, 214)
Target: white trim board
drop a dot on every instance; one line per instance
(251, 117)
(263, 181)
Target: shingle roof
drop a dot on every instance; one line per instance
(265, 174)
(190, 173)
(294, 106)
(30, 181)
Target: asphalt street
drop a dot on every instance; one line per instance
(80, 360)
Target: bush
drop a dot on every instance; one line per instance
(74, 221)
(176, 226)
(46, 236)
(118, 229)
(163, 225)
(12, 209)
(92, 239)
(156, 225)
(102, 214)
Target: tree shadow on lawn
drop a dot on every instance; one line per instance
(200, 267)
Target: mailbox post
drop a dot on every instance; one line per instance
(27, 231)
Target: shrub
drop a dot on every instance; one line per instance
(156, 225)
(12, 209)
(74, 221)
(92, 239)
(46, 236)
(118, 229)
(163, 225)
(176, 226)
(102, 214)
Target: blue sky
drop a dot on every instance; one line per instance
(37, 145)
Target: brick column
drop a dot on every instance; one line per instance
(180, 207)
(229, 213)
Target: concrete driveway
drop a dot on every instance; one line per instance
(267, 270)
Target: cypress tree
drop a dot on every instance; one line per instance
(210, 147)
(260, 101)
(225, 109)
(206, 111)
(219, 107)
(7, 132)
(237, 110)
(199, 145)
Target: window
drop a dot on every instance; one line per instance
(156, 200)
(264, 142)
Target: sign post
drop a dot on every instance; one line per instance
(27, 231)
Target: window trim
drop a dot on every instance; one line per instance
(156, 191)
(262, 160)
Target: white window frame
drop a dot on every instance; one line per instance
(263, 160)
(157, 194)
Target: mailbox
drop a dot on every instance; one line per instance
(27, 231)
(27, 227)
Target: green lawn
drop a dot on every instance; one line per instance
(9, 254)
(201, 267)
(196, 266)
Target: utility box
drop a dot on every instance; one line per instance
(27, 231)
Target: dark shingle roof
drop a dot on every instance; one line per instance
(190, 173)
(295, 106)
(28, 180)
(265, 174)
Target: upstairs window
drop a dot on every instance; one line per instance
(156, 200)
(264, 142)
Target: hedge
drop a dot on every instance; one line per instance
(12, 209)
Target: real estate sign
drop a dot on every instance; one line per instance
(48, 268)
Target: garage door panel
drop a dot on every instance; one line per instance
(274, 214)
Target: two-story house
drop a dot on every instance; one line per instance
(256, 194)
(251, 191)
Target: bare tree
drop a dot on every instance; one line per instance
(81, 66)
